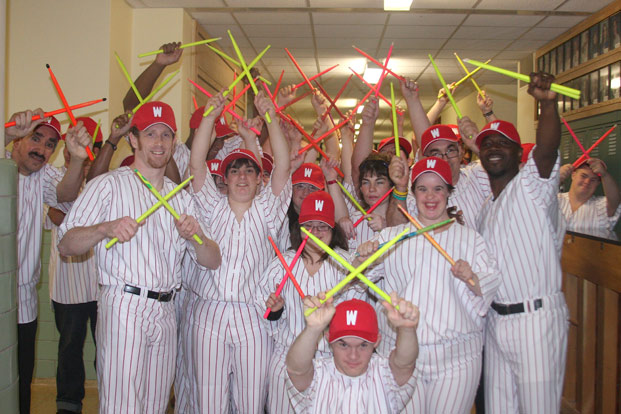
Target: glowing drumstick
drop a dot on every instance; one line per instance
(571, 132)
(395, 127)
(288, 272)
(469, 75)
(433, 242)
(195, 103)
(168, 207)
(323, 72)
(353, 199)
(349, 267)
(239, 78)
(563, 90)
(374, 88)
(378, 86)
(446, 88)
(155, 207)
(586, 154)
(59, 111)
(282, 73)
(378, 63)
(242, 62)
(230, 59)
(200, 42)
(295, 63)
(129, 78)
(96, 130)
(374, 206)
(67, 107)
(359, 269)
(156, 90)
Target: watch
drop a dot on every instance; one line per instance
(111, 144)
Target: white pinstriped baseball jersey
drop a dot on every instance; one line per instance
(421, 275)
(34, 190)
(591, 217)
(375, 391)
(468, 195)
(244, 246)
(521, 227)
(182, 158)
(283, 241)
(351, 208)
(230, 144)
(292, 322)
(152, 258)
(72, 279)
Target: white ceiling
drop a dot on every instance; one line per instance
(320, 33)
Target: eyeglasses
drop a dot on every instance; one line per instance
(450, 153)
(318, 228)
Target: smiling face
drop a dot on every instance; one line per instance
(431, 193)
(322, 231)
(32, 152)
(299, 192)
(584, 182)
(352, 355)
(500, 156)
(153, 146)
(242, 180)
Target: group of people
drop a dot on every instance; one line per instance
(178, 299)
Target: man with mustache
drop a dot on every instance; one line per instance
(34, 143)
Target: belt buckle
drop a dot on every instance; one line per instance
(160, 296)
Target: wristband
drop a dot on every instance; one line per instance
(331, 182)
(398, 197)
(399, 193)
(490, 113)
(111, 144)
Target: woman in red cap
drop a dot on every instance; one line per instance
(453, 300)
(315, 271)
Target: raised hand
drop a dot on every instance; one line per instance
(407, 316)
(370, 111)
(171, 54)
(321, 318)
(24, 124)
(539, 86)
(120, 127)
(409, 89)
(286, 95)
(76, 140)
(485, 102)
(399, 172)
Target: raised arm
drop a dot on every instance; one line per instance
(549, 127)
(486, 105)
(145, 82)
(77, 139)
(364, 143)
(101, 165)
(400, 176)
(203, 138)
(402, 359)
(331, 142)
(611, 189)
(438, 106)
(299, 359)
(418, 117)
(280, 145)
(347, 148)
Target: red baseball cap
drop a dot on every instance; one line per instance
(153, 113)
(435, 133)
(309, 173)
(455, 129)
(223, 129)
(91, 125)
(237, 154)
(526, 149)
(403, 143)
(268, 162)
(435, 165)
(53, 123)
(127, 161)
(214, 167)
(354, 318)
(503, 128)
(317, 206)
(197, 117)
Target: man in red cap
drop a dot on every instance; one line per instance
(34, 143)
(354, 379)
(137, 330)
(526, 337)
(232, 348)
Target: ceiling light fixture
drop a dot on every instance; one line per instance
(397, 5)
(372, 74)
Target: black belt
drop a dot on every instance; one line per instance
(151, 294)
(503, 309)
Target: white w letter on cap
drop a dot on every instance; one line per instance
(318, 205)
(213, 166)
(431, 163)
(157, 111)
(435, 133)
(308, 172)
(494, 125)
(351, 317)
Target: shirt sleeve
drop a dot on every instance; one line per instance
(275, 206)
(543, 191)
(398, 396)
(207, 198)
(51, 177)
